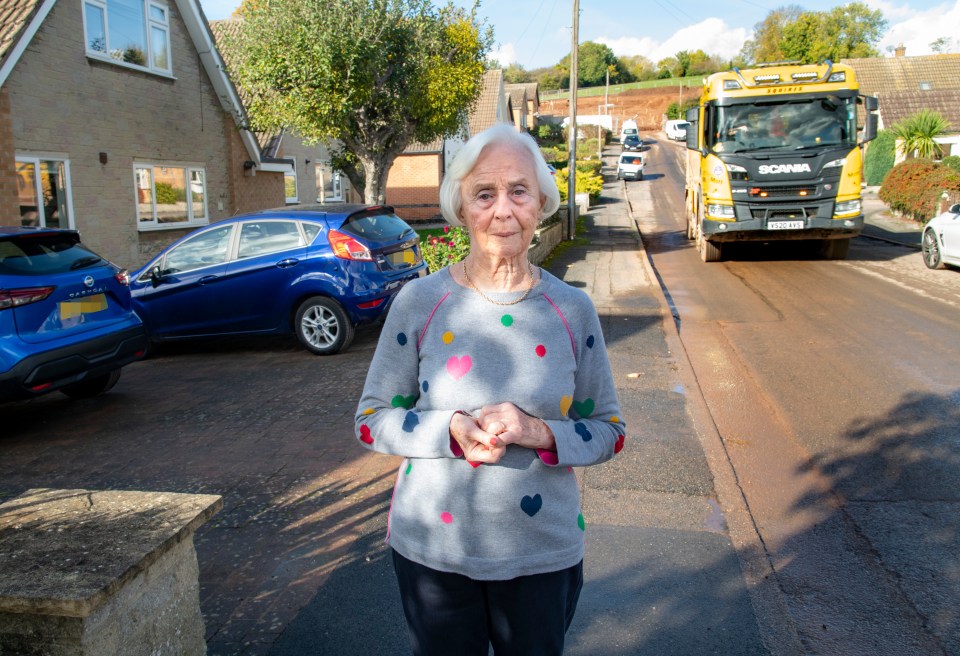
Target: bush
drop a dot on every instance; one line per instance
(549, 133)
(167, 194)
(913, 188)
(440, 252)
(953, 162)
(556, 156)
(587, 182)
(880, 157)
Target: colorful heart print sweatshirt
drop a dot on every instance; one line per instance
(443, 348)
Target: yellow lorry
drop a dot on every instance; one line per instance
(773, 153)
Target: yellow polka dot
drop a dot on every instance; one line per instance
(368, 411)
(565, 403)
(447, 337)
(614, 419)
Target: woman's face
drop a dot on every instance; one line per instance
(501, 201)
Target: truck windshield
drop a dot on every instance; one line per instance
(793, 124)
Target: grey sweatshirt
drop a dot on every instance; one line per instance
(443, 348)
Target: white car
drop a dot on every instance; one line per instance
(676, 130)
(940, 243)
(630, 166)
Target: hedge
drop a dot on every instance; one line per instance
(881, 154)
(913, 188)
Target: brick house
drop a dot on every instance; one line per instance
(413, 183)
(310, 179)
(530, 105)
(905, 85)
(131, 139)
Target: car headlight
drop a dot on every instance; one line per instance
(720, 211)
(847, 207)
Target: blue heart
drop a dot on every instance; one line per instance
(590, 341)
(410, 422)
(531, 505)
(401, 339)
(583, 432)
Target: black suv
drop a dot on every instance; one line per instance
(66, 322)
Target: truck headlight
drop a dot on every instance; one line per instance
(720, 211)
(835, 163)
(847, 207)
(736, 172)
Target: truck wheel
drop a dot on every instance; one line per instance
(835, 249)
(709, 251)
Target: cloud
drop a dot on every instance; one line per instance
(504, 54)
(712, 35)
(923, 27)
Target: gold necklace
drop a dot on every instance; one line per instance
(487, 298)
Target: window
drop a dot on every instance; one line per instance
(134, 33)
(329, 186)
(264, 237)
(206, 249)
(170, 196)
(290, 184)
(43, 189)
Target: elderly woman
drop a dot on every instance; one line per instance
(491, 379)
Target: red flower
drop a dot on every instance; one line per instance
(446, 228)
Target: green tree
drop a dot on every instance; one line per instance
(637, 67)
(941, 45)
(915, 134)
(515, 73)
(374, 75)
(593, 62)
(849, 31)
(767, 35)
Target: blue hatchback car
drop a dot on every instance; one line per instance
(316, 271)
(66, 321)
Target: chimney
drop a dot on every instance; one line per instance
(900, 50)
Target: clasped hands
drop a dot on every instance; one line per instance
(484, 438)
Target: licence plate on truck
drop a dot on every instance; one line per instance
(784, 225)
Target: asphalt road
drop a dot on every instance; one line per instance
(835, 387)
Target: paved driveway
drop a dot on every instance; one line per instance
(259, 421)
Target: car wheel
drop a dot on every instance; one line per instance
(931, 250)
(835, 249)
(322, 326)
(640, 176)
(89, 388)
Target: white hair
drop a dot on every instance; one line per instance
(500, 134)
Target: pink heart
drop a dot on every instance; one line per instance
(458, 367)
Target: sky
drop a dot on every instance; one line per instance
(537, 33)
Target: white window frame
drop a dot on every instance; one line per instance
(149, 24)
(146, 225)
(336, 184)
(292, 200)
(38, 190)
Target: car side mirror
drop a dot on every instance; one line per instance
(155, 276)
(955, 209)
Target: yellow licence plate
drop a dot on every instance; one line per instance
(81, 306)
(406, 257)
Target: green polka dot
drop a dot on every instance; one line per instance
(581, 523)
(409, 467)
(506, 320)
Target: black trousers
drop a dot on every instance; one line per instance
(454, 614)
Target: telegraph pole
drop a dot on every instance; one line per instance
(572, 149)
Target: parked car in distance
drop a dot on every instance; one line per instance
(940, 243)
(317, 271)
(630, 166)
(631, 142)
(676, 129)
(66, 320)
